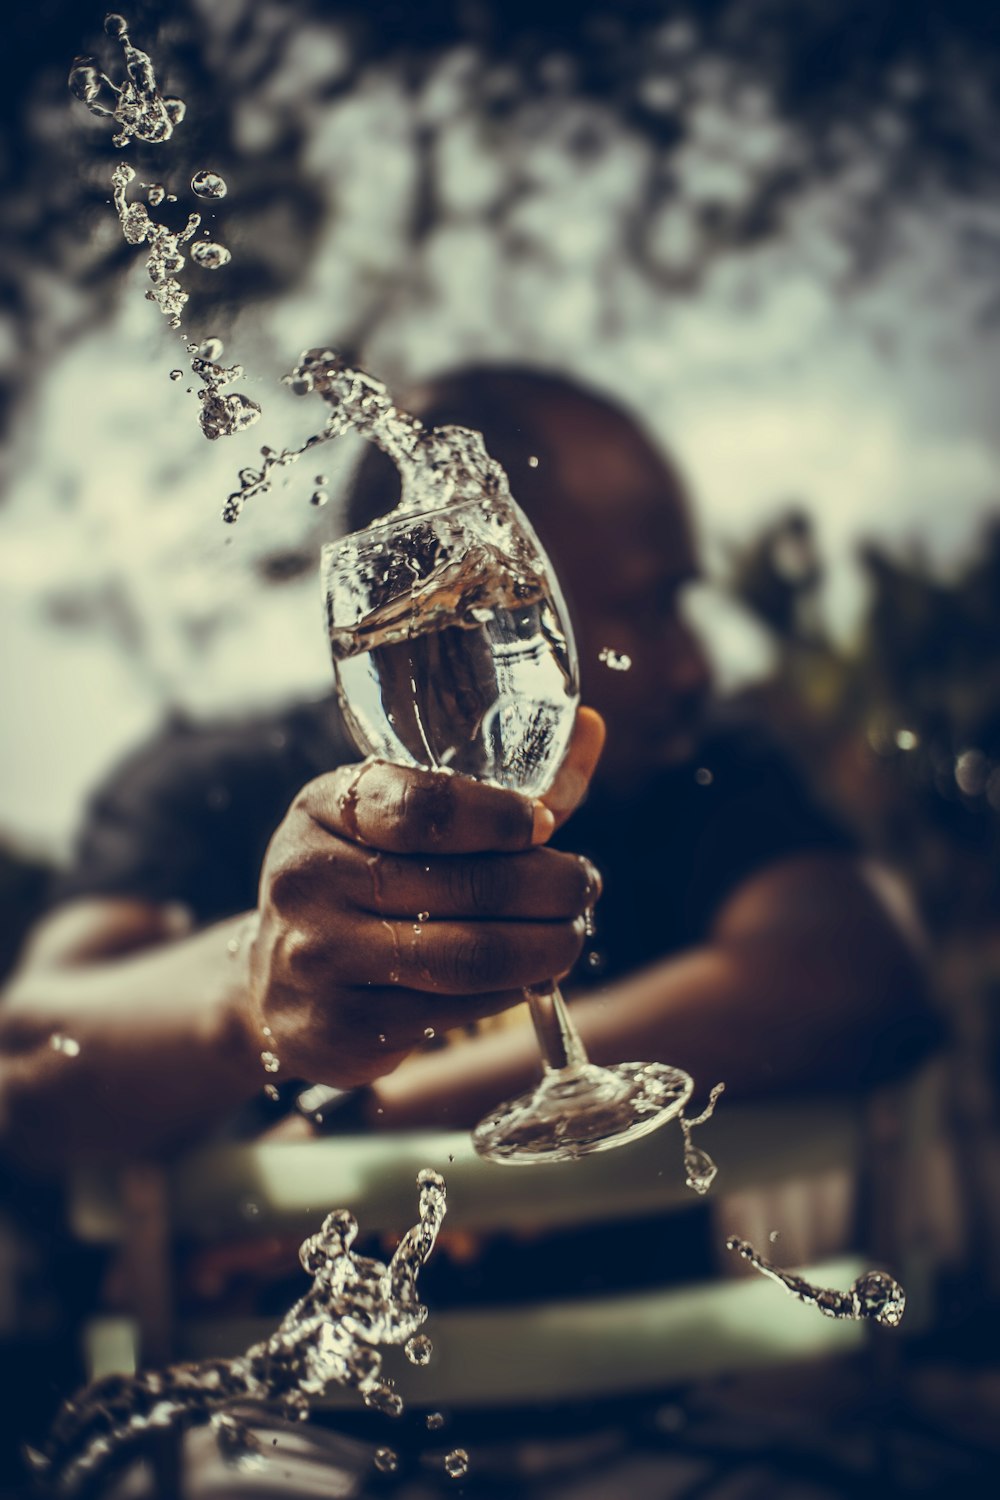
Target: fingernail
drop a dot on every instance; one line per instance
(542, 823)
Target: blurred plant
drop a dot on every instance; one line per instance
(902, 725)
(649, 133)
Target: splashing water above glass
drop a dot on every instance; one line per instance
(331, 1337)
(875, 1296)
(140, 111)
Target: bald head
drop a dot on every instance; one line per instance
(611, 511)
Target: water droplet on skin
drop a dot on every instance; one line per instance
(434, 1421)
(703, 776)
(206, 184)
(271, 1063)
(456, 1464)
(386, 1461)
(419, 1349)
(210, 255)
(618, 661)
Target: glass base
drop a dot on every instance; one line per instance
(575, 1112)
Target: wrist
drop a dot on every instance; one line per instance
(238, 1027)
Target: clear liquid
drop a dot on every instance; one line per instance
(333, 1336)
(469, 672)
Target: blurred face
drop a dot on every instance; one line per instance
(617, 530)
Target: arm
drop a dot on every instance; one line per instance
(809, 965)
(162, 1053)
(168, 1030)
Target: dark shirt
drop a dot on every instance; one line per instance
(188, 818)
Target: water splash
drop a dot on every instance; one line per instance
(875, 1296)
(331, 1337)
(140, 111)
(136, 106)
(436, 465)
(699, 1168)
(618, 661)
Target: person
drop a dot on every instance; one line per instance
(239, 892)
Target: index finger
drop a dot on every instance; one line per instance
(403, 810)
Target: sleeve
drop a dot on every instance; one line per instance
(168, 824)
(758, 811)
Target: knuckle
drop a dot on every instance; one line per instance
(480, 960)
(486, 886)
(299, 953)
(286, 886)
(424, 811)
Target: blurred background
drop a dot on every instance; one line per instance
(771, 228)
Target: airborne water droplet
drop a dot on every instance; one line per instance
(206, 184)
(434, 1421)
(429, 1033)
(270, 1061)
(176, 374)
(419, 1349)
(456, 1465)
(699, 1168)
(618, 661)
(386, 1461)
(155, 194)
(318, 497)
(210, 256)
(272, 1091)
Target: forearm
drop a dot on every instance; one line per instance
(155, 1051)
(762, 1017)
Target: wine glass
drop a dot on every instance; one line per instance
(453, 650)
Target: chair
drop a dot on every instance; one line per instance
(492, 1357)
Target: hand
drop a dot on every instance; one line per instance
(395, 904)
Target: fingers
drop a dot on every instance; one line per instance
(408, 1018)
(459, 958)
(573, 778)
(541, 886)
(407, 811)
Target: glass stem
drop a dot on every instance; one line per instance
(561, 1047)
